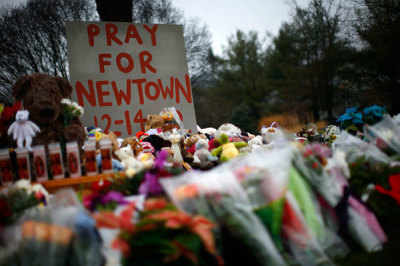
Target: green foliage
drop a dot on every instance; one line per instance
(128, 186)
(377, 24)
(17, 201)
(242, 80)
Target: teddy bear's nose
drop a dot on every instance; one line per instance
(46, 112)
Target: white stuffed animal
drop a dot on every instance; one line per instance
(209, 130)
(202, 153)
(271, 134)
(23, 129)
(229, 129)
(128, 160)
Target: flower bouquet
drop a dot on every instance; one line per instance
(16, 199)
(103, 197)
(243, 238)
(385, 135)
(161, 235)
(325, 176)
(285, 204)
(147, 182)
(61, 233)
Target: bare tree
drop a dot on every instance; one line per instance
(33, 39)
(197, 36)
(32, 36)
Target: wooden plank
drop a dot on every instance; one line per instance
(83, 182)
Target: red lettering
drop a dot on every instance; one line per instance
(101, 93)
(187, 93)
(180, 115)
(132, 32)
(167, 90)
(139, 83)
(119, 94)
(92, 30)
(139, 119)
(152, 33)
(90, 95)
(147, 90)
(111, 32)
(108, 118)
(128, 122)
(128, 68)
(145, 62)
(102, 62)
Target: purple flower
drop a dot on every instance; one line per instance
(160, 159)
(150, 184)
(113, 196)
(91, 200)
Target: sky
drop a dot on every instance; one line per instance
(224, 17)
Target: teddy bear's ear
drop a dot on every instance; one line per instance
(64, 86)
(20, 87)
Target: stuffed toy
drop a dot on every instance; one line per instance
(42, 95)
(175, 138)
(190, 141)
(147, 147)
(154, 122)
(167, 116)
(23, 130)
(228, 129)
(147, 159)
(207, 131)
(227, 150)
(170, 127)
(157, 142)
(271, 134)
(254, 144)
(128, 140)
(136, 147)
(94, 134)
(131, 164)
(203, 156)
(140, 135)
(187, 156)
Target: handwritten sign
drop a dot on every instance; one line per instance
(121, 72)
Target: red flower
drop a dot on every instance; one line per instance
(101, 186)
(121, 245)
(394, 182)
(124, 221)
(4, 209)
(155, 204)
(314, 165)
(9, 112)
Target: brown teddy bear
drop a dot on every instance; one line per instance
(41, 95)
(154, 122)
(190, 141)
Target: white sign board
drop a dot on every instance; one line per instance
(122, 72)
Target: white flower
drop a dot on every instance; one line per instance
(66, 101)
(340, 158)
(24, 185)
(387, 135)
(130, 172)
(77, 109)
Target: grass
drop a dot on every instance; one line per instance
(290, 122)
